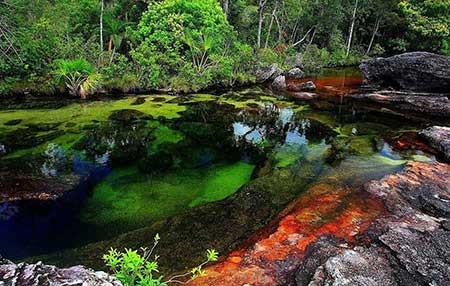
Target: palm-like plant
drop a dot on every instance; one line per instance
(75, 73)
(200, 45)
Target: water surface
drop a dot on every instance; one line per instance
(203, 170)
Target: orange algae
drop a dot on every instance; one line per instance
(333, 86)
(323, 210)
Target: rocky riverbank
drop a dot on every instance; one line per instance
(39, 274)
(417, 83)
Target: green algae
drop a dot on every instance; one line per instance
(127, 199)
(88, 112)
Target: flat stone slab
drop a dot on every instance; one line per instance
(439, 138)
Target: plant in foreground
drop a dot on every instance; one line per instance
(139, 268)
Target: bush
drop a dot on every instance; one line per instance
(133, 268)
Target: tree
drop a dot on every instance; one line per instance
(428, 21)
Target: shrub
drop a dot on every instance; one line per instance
(75, 73)
(140, 268)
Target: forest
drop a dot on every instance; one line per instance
(91, 46)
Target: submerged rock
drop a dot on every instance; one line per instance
(418, 71)
(439, 138)
(305, 95)
(127, 115)
(26, 187)
(24, 274)
(303, 86)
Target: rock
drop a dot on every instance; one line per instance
(305, 95)
(439, 138)
(269, 73)
(355, 267)
(418, 71)
(417, 199)
(24, 274)
(279, 83)
(432, 105)
(409, 245)
(295, 73)
(27, 187)
(303, 86)
(316, 255)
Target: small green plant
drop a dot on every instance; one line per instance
(140, 268)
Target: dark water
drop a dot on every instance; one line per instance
(128, 163)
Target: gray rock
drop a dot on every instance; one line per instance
(279, 83)
(356, 267)
(418, 71)
(269, 73)
(39, 274)
(295, 73)
(439, 138)
(432, 105)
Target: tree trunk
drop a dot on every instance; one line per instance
(375, 31)
(101, 26)
(352, 27)
(226, 7)
(261, 5)
(271, 24)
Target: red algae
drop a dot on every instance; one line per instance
(324, 210)
(332, 86)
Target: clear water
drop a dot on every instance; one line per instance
(202, 170)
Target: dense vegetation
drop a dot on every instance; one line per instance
(87, 46)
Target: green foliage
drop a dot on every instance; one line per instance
(134, 267)
(187, 44)
(78, 75)
(429, 21)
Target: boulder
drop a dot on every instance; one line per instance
(279, 83)
(417, 71)
(24, 274)
(439, 138)
(295, 73)
(269, 73)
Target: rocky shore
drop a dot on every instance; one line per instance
(39, 274)
(417, 83)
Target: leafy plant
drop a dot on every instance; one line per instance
(140, 268)
(75, 73)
